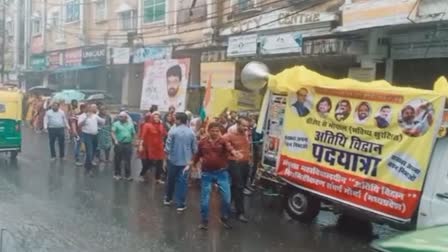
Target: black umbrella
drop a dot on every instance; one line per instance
(41, 90)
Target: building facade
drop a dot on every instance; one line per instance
(12, 35)
(103, 44)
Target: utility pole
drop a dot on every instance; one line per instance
(3, 39)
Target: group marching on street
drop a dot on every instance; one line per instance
(222, 152)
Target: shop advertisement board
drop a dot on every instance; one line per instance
(359, 145)
(273, 132)
(165, 84)
(290, 42)
(94, 55)
(242, 45)
(151, 53)
(119, 55)
(73, 57)
(55, 59)
(277, 19)
(38, 62)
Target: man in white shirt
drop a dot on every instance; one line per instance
(88, 122)
(55, 122)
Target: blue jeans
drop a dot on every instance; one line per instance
(176, 184)
(222, 179)
(77, 148)
(90, 142)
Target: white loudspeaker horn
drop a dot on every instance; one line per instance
(254, 75)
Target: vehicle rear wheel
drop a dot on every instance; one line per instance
(302, 206)
(14, 154)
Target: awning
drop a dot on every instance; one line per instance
(74, 68)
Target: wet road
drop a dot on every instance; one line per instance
(49, 206)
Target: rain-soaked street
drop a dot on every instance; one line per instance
(49, 206)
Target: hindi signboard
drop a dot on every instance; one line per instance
(357, 145)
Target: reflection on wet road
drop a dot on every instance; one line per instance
(49, 206)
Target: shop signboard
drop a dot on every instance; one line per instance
(290, 42)
(37, 45)
(152, 53)
(165, 84)
(323, 47)
(119, 55)
(366, 14)
(94, 55)
(73, 57)
(276, 20)
(356, 143)
(55, 60)
(38, 62)
(245, 45)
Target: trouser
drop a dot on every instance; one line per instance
(145, 167)
(222, 179)
(77, 148)
(256, 162)
(157, 164)
(239, 172)
(123, 153)
(90, 143)
(59, 135)
(176, 184)
(106, 153)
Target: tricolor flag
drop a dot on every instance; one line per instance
(206, 101)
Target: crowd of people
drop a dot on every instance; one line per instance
(221, 152)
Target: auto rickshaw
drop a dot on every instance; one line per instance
(10, 122)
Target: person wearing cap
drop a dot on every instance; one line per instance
(123, 133)
(152, 143)
(56, 123)
(180, 147)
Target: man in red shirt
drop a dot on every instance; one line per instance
(152, 142)
(213, 152)
(239, 165)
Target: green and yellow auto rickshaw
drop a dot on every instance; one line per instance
(10, 121)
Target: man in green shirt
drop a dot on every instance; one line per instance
(123, 133)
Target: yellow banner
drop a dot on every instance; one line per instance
(367, 146)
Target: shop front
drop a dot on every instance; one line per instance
(35, 75)
(78, 68)
(419, 57)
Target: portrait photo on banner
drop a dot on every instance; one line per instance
(165, 84)
(416, 117)
(302, 102)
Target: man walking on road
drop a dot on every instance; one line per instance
(180, 147)
(152, 138)
(123, 133)
(89, 122)
(213, 152)
(239, 165)
(56, 123)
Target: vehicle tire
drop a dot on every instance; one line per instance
(14, 154)
(301, 206)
